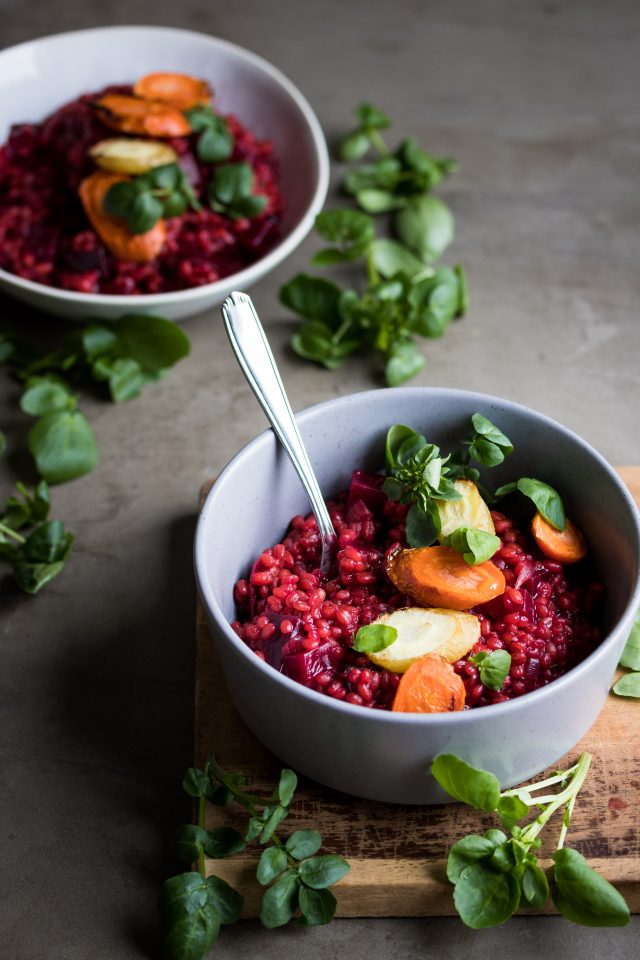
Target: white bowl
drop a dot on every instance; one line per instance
(38, 77)
(375, 753)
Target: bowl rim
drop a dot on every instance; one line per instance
(463, 717)
(253, 271)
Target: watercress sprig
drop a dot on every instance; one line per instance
(38, 554)
(629, 683)
(230, 191)
(493, 874)
(193, 905)
(162, 191)
(215, 142)
(404, 294)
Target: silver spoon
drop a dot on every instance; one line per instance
(253, 353)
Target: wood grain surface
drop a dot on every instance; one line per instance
(398, 853)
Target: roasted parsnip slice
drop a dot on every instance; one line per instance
(131, 156)
(469, 511)
(423, 630)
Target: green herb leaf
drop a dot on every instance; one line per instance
(422, 528)
(229, 190)
(227, 901)
(190, 923)
(374, 637)
(153, 342)
(314, 298)
(353, 146)
(478, 788)
(303, 843)
(402, 444)
(631, 654)
(287, 787)
(46, 395)
(63, 446)
(273, 817)
(470, 849)
(583, 896)
(279, 902)
(547, 501)
(403, 362)
(628, 686)
(535, 887)
(196, 783)
(390, 258)
(273, 861)
(371, 117)
(321, 872)
(426, 226)
(511, 809)
(223, 842)
(316, 906)
(188, 842)
(485, 898)
(476, 546)
(493, 667)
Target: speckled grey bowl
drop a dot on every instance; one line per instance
(377, 754)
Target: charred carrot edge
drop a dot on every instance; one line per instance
(178, 89)
(565, 546)
(151, 118)
(430, 685)
(440, 577)
(113, 232)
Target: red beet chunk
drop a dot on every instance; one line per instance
(368, 488)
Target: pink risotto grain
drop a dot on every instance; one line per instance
(303, 623)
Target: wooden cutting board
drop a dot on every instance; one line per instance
(398, 853)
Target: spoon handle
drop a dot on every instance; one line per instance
(254, 355)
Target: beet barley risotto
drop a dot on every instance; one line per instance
(136, 190)
(501, 605)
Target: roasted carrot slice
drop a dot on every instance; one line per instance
(440, 577)
(150, 118)
(178, 89)
(113, 231)
(565, 546)
(430, 685)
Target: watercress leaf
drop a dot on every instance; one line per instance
(183, 894)
(144, 213)
(273, 861)
(314, 341)
(485, 898)
(227, 901)
(506, 489)
(48, 543)
(39, 502)
(347, 228)
(487, 429)
(372, 117)
(628, 686)
(422, 528)
(582, 895)
(631, 654)
(287, 787)
(494, 669)
(329, 256)
(230, 182)
(314, 298)
(190, 936)
(174, 205)
(485, 452)
(196, 783)
(321, 872)
(354, 146)
(164, 177)
(303, 843)
(373, 200)
(478, 788)
(547, 500)
(98, 340)
(426, 226)
(280, 900)
(215, 142)
(31, 577)
(381, 175)
(403, 362)
(223, 842)
(188, 842)
(390, 257)
(63, 446)
(45, 395)
(401, 444)
(316, 906)
(249, 207)
(497, 837)
(467, 851)
(535, 886)
(476, 546)
(254, 829)
(273, 816)
(393, 488)
(153, 342)
(374, 637)
(119, 198)
(502, 858)
(510, 809)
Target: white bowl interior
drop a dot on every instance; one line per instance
(38, 77)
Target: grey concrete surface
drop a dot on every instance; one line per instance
(538, 101)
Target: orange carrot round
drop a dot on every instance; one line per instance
(565, 546)
(430, 685)
(440, 577)
(151, 118)
(178, 89)
(113, 232)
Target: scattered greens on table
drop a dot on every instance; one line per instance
(193, 905)
(120, 356)
(494, 873)
(629, 684)
(419, 476)
(404, 293)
